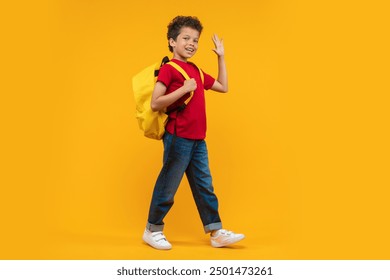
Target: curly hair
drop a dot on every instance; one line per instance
(178, 22)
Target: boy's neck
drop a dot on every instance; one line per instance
(180, 58)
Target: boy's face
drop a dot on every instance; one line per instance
(186, 43)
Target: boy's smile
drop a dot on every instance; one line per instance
(186, 43)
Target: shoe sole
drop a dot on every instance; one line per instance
(233, 241)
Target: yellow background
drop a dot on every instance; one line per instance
(299, 147)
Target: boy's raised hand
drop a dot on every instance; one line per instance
(218, 43)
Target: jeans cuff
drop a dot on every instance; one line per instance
(154, 228)
(210, 227)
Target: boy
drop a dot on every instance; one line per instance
(185, 149)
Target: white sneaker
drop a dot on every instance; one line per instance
(156, 240)
(223, 237)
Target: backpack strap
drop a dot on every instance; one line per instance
(163, 61)
(185, 75)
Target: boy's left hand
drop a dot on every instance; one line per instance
(218, 43)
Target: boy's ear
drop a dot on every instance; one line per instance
(172, 42)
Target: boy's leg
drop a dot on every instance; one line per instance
(200, 180)
(199, 177)
(177, 154)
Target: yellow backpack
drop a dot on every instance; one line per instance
(153, 123)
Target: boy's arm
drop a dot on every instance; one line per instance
(221, 84)
(160, 101)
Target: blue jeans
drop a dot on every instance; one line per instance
(191, 157)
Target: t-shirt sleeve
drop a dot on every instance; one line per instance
(208, 81)
(164, 75)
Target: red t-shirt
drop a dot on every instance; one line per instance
(191, 122)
